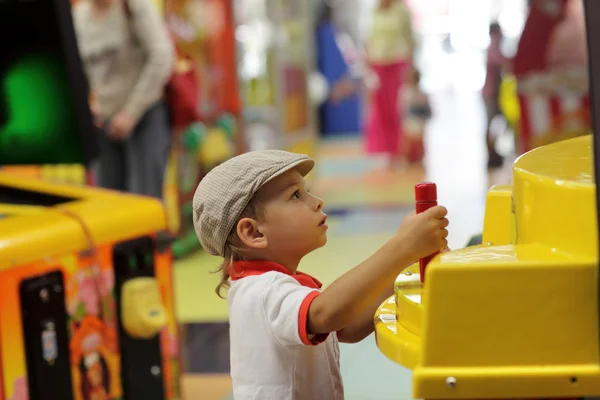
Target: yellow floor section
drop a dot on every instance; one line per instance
(205, 386)
(195, 297)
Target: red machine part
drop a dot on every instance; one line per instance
(425, 198)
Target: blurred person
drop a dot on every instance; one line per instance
(542, 19)
(496, 64)
(336, 62)
(567, 46)
(531, 58)
(128, 57)
(418, 112)
(342, 84)
(390, 49)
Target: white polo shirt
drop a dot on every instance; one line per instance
(272, 355)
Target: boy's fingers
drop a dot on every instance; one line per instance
(437, 212)
(444, 222)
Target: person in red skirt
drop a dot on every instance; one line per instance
(390, 50)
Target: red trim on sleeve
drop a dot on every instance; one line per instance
(303, 322)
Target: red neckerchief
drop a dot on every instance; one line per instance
(242, 269)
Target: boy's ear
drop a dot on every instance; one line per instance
(247, 231)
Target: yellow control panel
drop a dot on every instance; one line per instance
(516, 317)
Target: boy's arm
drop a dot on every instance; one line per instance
(355, 292)
(364, 325)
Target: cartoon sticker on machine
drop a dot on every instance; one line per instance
(94, 377)
(49, 346)
(142, 310)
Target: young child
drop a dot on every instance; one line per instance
(256, 212)
(418, 112)
(496, 64)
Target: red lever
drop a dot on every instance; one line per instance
(425, 197)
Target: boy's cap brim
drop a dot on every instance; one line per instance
(227, 189)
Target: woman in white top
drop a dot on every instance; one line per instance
(128, 58)
(389, 49)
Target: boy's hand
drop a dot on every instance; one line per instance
(424, 233)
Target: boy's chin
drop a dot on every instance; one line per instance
(322, 241)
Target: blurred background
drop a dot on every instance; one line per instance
(382, 93)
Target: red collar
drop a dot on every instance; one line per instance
(242, 269)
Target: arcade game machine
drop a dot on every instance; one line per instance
(515, 317)
(275, 46)
(550, 69)
(36, 111)
(86, 305)
(204, 37)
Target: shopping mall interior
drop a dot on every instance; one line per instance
(292, 75)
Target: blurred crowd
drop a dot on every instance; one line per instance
(129, 59)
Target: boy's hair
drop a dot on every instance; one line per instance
(234, 248)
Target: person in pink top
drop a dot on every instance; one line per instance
(496, 64)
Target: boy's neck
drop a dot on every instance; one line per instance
(289, 263)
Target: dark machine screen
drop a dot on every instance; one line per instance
(44, 118)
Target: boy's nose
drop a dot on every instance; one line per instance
(318, 203)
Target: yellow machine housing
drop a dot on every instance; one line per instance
(516, 317)
(86, 252)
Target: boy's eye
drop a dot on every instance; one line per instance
(296, 195)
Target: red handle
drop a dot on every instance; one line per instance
(426, 197)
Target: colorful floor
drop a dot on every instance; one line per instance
(366, 205)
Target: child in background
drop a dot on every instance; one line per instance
(418, 112)
(496, 64)
(256, 212)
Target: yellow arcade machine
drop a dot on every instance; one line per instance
(86, 304)
(515, 317)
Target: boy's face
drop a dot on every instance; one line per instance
(293, 220)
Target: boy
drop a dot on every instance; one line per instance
(255, 211)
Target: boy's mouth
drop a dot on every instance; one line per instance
(323, 221)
